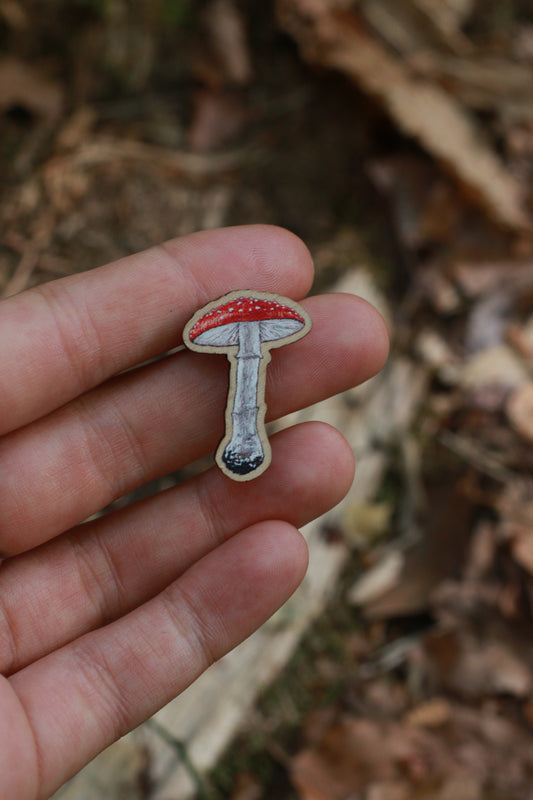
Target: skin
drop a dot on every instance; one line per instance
(102, 623)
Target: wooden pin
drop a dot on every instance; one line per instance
(246, 326)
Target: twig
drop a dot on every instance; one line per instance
(30, 250)
(102, 149)
(23, 272)
(202, 791)
(476, 455)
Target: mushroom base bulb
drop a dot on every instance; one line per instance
(244, 452)
(239, 465)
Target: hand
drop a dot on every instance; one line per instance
(103, 622)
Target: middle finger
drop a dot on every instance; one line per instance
(59, 470)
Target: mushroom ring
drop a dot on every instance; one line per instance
(245, 325)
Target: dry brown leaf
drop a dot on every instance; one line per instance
(425, 203)
(381, 578)
(487, 321)
(498, 366)
(433, 349)
(520, 337)
(431, 714)
(333, 37)
(411, 26)
(403, 581)
(350, 753)
(478, 753)
(477, 278)
(523, 550)
(520, 411)
(475, 667)
(76, 128)
(515, 507)
(14, 15)
(527, 710)
(481, 553)
(466, 787)
(22, 85)
(364, 523)
(447, 15)
(355, 753)
(389, 790)
(485, 83)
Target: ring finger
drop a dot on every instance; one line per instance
(113, 564)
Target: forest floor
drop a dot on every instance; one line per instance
(394, 135)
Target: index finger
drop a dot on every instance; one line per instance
(62, 338)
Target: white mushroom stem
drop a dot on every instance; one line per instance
(244, 451)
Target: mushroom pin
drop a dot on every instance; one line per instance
(245, 326)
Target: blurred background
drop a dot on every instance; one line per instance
(396, 138)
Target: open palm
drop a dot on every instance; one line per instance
(103, 622)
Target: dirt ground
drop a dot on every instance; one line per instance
(398, 135)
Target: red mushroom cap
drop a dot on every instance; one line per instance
(243, 309)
